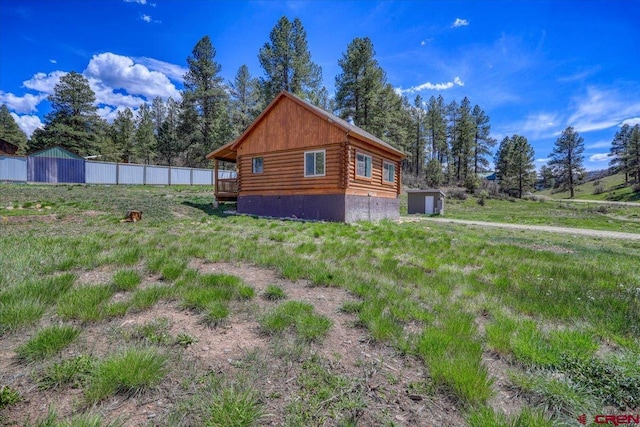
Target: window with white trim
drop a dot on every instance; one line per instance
(257, 165)
(363, 165)
(388, 172)
(314, 163)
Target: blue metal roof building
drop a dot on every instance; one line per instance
(56, 165)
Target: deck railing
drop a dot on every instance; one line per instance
(227, 185)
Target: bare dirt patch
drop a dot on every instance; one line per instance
(394, 387)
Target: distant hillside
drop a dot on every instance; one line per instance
(610, 188)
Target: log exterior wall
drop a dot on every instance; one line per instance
(289, 126)
(283, 173)
(374, 186)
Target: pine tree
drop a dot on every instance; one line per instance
(168, 140)
(437, 128)
(453, 120)
(463, 149)
(10, 131)
(482, 140)
(514, 162)
(73, 122)
(287, 64)
(546, 175)
(122, 133)
(418, 115)
(144, 137)
(205, 94)
(360, 85)
(567, 159)
(433, 173)
(633, 165)
(245, 100)
(158, 114)
(620, 152)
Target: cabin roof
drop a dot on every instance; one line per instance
(228, 151)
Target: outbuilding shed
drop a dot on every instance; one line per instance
(55, 165)
(425, 202)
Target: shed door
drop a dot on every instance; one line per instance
(428, 204)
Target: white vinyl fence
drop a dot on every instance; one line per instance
(15, 169)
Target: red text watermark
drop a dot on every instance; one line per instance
(616, 420)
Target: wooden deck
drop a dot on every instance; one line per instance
(226, 190)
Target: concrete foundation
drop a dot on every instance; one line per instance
(325, 207)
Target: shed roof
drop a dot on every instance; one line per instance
(427, 191)
(56, 152)
(228, 151)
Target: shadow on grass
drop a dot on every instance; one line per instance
(209, 209)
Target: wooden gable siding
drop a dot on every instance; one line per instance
(375, 185)
(283, 172)
(289, 126)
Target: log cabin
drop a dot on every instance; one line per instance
(298, 161)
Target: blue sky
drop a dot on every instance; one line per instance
(535, 67)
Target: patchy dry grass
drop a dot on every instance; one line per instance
(424, 304)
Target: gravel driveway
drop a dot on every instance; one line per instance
(565, 230)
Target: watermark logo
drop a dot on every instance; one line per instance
(616, 420)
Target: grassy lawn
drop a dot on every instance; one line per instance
(560, 314)
(548, 212)
(610, 188)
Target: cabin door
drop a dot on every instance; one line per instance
(428, 204)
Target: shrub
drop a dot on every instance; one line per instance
(457, 194)
(598, 189)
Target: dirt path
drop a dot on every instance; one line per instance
(601, 202)
(549, 229)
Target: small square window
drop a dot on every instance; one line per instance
(257, 165)
(314, 163)
(363, 165)
(389, 172)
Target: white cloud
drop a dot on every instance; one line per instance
(44, 82)
(459, 23)
(600, 157)
(431, 86)
(146, 18)
(540, 121)
(118, 72)
(136, 1)
(173, 71)
(27, 123)
(53, 61)
(598, 144)
(21, 104)
(106, 95)
(631, 122)
(601, 109)
(109, 113)
(542, 160)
